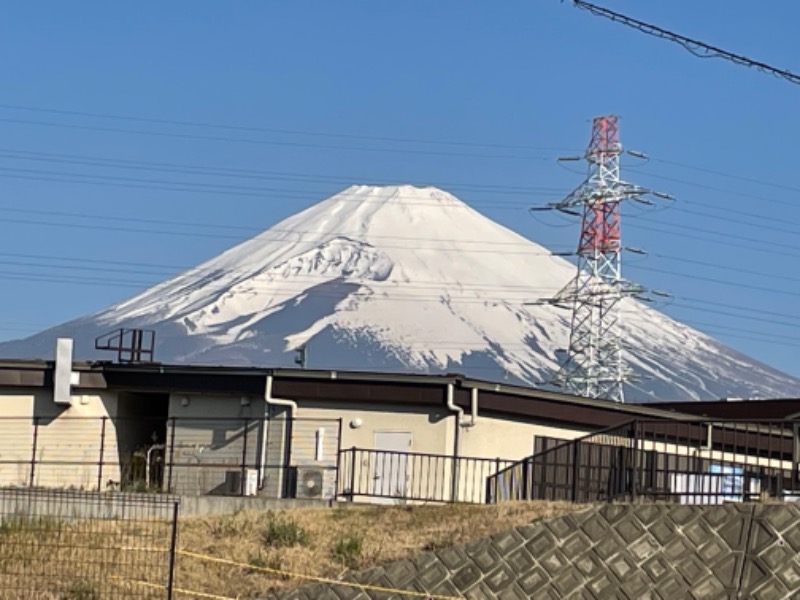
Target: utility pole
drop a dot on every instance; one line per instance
(594, 367)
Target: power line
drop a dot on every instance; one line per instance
(355, 136)
(204, 188)
(229, 127)
(262, 233)
(180, 186)
(715, 280)
(301, 233)
(760, 245)
(214, 171)
(523, 290)
(239, 239)
(694, 46)
(725, 191)
(279, 143)
(175, 186)
(750, 317)
(725, 267)
(746, 309)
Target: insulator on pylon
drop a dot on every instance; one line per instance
(567, 211)
(663, 195)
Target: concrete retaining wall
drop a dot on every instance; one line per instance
(119, 505)
(194, 506)
(640, 552)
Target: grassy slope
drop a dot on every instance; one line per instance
(326, 543)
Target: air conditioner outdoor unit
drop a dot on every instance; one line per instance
(310, 482)
(233, 482)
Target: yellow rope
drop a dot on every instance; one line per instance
(280, 572)
(362, 586)
(176, 590)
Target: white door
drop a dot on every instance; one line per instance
(390, 467)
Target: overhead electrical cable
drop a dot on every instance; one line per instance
(229, 127)
(206, 189)
(377, 138)
(272, 230)
(738, 284)
(762, 247)
(727, 192)
(523, 290)
(216, 171)
(694, 46)
(279, 143)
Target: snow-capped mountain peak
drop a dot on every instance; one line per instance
(402, 278)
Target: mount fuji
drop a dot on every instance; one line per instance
(408, 279)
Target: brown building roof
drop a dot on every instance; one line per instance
(788, 408)
(363, 387)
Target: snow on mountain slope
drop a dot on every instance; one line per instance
(402, 278)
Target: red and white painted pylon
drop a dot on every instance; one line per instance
(594, 365)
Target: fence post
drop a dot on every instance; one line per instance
(454, 479)
(173, 550)
(525, 477)
(171, 454)
(795, 455)
(576, 457)
(33, 450)
(243, 482)
(491, 498)
(338, 460)
(352, 473)
(102, 453)
(287, 457)
(634, 477)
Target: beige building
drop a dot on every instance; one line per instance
(277, 432)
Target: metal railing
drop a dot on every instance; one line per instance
(690, 462)
(414, 476)
(245, 456)
(581, 470)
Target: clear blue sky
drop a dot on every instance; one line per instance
(524, 78)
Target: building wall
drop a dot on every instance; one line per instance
(214, 438)
(431, 429)
(494, 437)
(216, 442)
(69, 447)
(432, 432)
(222, 443)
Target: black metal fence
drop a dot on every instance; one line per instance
(70, 544)
(274, 457)
(690, 462)
(412, 476)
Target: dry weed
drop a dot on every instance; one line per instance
(343, 538)
(48, 559)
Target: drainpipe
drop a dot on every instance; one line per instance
(473, 408)
(292, 406)
(459, 412)
(270, 400)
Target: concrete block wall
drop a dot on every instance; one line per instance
(645, 551)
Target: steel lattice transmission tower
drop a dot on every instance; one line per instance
(594, 367)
